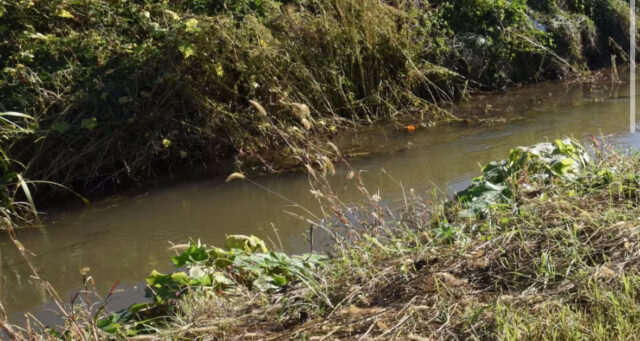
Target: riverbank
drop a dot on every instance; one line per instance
(542, 245)
(119, 92)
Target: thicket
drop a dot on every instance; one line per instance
(120, 91)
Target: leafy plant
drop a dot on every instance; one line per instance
(527, 166)
(246, 262)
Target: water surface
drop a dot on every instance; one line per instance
(122, 238)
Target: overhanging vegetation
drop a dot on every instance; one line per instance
(121, 91)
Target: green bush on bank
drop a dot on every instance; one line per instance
(123, 90)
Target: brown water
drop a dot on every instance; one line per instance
(123, 238)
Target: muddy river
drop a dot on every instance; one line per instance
(122, 238)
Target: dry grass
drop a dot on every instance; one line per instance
(557, 264)
(123, 92)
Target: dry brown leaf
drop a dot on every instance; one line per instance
(381, 325)
(259, 107)
(450, 279)
(481, 263)
(606, 272)
(234, 176)
(310, 170)
(302, 110)
(353, 310)
(306, 124)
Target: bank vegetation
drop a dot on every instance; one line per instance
(102, 95)
(542, 245)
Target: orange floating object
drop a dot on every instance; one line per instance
(411, 128)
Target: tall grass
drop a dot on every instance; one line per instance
(13, 187)
(124, 91)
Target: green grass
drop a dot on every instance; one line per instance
(13, 186)
(124, 91)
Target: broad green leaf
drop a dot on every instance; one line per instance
(180, 277)
(186, 50)
(195, 253)
(63, 13)
(220, 278)
(191, 25)
(279, 280)
(249, 244)
(264, 283)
